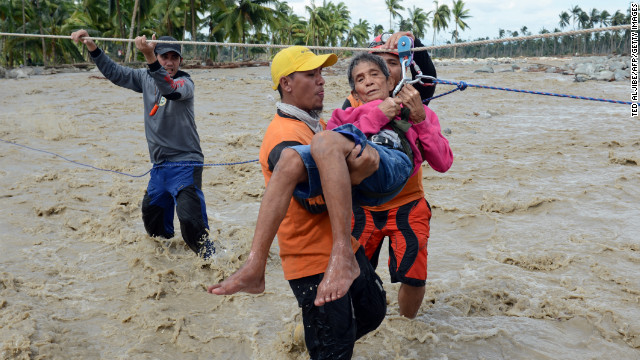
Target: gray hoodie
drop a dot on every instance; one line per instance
(171, 131)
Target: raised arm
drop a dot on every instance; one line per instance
(120, 75)
(177, 88)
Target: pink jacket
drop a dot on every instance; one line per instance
(370, 120)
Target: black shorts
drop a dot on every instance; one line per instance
(331, 330)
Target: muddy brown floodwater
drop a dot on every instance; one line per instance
(534, 248)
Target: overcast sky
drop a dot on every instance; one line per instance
(488, 16)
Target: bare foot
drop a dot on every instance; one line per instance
(249, 278)
(341, 271)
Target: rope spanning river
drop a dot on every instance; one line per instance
(533, 253)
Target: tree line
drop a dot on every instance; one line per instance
(267, 22)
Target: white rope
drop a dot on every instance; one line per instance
(523, 38)
(336, 48)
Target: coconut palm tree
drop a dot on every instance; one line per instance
(575, 14)
(441, 16)
(594, 17)
(617, 19)
(459, 15)
(525, 32)
(241, 16)
(337, 19)
(605, 18)
(584, 23)
(565, 19)
(167, 17)
(404, 24)
(377, 30)
(418, 21)
(24, 43)
(290, 27)
(11, 21)
(359, 34)
(316, 23)
(542, 42)
(115, 11)
(393, 6)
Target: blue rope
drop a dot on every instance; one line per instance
(461, 85)
(119, 172)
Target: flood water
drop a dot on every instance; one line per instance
(533, 254)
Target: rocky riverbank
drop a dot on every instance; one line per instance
(602, 68)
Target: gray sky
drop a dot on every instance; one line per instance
(487, 15)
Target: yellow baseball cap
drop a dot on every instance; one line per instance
(297, 58)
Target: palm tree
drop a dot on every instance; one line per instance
(193, 12)
(136, 5)
(359, 34)
(115, 5)
(404, 24)
(241, 16)
(440, 20)
(418, 21)
(393, 6)
(501, 34)
(459, 14)
(290, 27)
(565, 19)
(594, 17)
(618, 18)
(525, 32)
(585, 23)
(167, 17)
(377, 30)
(10, 18)
(555, 41)
(575, 14)
(337, 19)
(24, 43)
(316, 22)
(605, 18)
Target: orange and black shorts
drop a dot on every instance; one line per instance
(407, 227)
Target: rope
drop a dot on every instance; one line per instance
(523, 38)
(336, 48)
(120, 172)
(461, 85)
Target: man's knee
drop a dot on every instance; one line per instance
(192, 216)
(291, 166)
(153, 220)
(327, 143)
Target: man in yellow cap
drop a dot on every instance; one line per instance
(317, 267)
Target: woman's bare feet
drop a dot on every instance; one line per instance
(341, 271)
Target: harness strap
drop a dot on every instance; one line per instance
(401, 127)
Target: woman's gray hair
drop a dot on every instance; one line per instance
(366, 57)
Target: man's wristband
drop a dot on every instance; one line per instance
(95, 53)
(155, 66)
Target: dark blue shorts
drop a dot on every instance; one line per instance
(167, 180)
(383, 185)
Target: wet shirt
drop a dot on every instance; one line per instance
(170, 128)
(304, 236)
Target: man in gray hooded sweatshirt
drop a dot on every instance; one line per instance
(174, 144)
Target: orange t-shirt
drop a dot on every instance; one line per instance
(304, 235)
(353, 101)
(412, 190)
